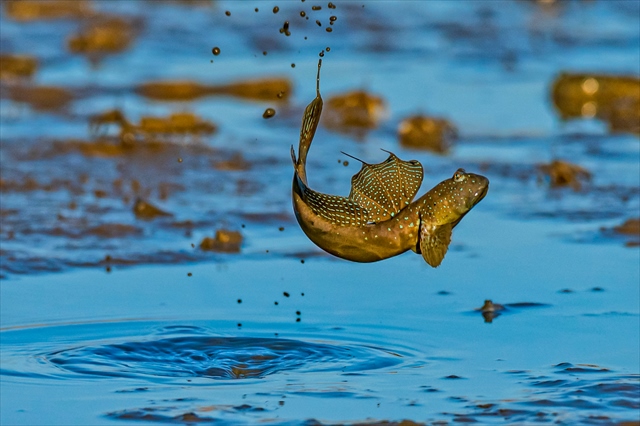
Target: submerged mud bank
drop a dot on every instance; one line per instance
(145, 159)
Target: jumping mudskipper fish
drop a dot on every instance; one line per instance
(378, 219)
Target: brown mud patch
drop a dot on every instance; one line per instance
(629, 231)
(147, 211)
(353, 112)
(103, 34)
(224, 241)
(613, 99)
(17, 66)
(40, 98)
(36, 10)
(429, 133)
(562, 173)
(262, 89)
(152, 127)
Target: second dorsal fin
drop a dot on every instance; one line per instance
(385, 188)
(310, 122)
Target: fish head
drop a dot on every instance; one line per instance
(454, 197)
(443, 208)
(467, 190)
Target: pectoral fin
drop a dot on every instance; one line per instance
(434, 242)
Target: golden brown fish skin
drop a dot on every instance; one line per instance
(451, 199)
(370, 225)
(365, 243)
(445, 204)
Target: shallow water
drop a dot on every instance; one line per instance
(110, 318)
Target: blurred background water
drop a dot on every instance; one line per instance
(152, 269)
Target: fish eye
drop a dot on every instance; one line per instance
(459, 175)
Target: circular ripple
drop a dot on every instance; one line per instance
(198, 355)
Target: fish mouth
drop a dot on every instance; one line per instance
(481, 194)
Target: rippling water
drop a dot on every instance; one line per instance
(109, 316)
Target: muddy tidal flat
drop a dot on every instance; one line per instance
(152, 270)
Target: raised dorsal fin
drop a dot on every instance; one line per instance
(385, 188)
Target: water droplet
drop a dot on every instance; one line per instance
(345, 163)
(319, 23)
(329, 29)
(322, 53)
(332, 18)
(189, 274)
(303, 14)
(285, 294)
(227, 13)
(268, 113)
(256, 9)
(293, 65)
(328, 49)
(239, 300)
(331, 5)
(179, 160)
(215, 51)
(276, 9)
(316, 7)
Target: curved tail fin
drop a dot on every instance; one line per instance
(310, 122)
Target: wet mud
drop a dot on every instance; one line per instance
(354, 112)
(429, 133)
(151, 263)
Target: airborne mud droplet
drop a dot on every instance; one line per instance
(215, 51)
(276, 9)
(268, 113)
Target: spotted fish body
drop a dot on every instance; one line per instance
(379, 218)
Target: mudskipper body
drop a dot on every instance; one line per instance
(379, 218)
